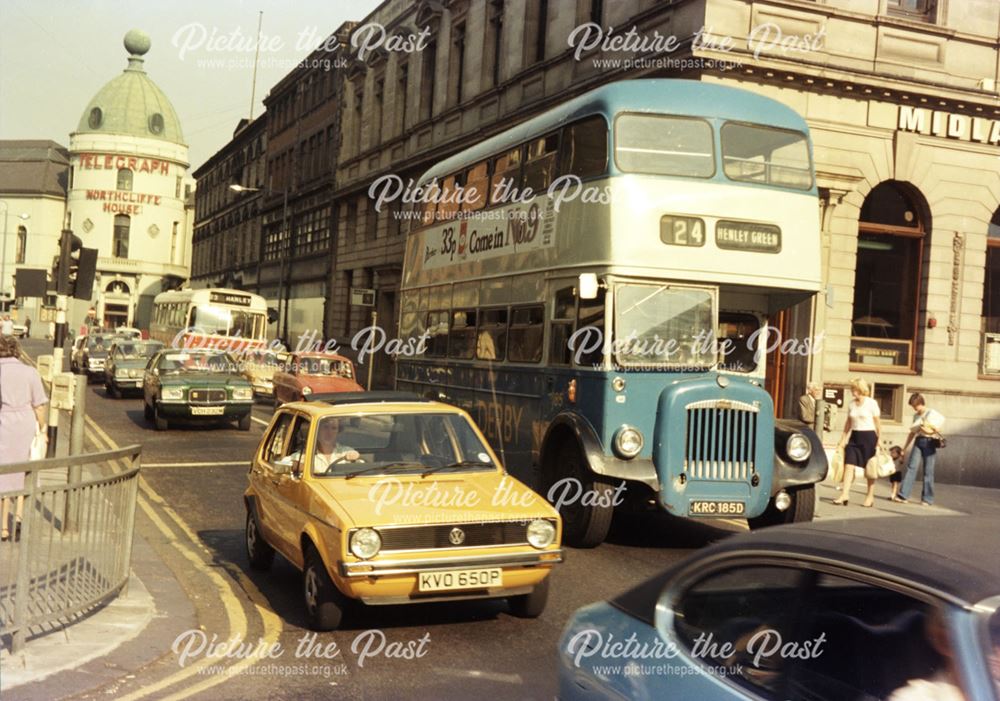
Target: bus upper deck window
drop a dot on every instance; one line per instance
(448, 205)
(664, 145)
(477, 186)
(506, 176)
(585, 148)
(540, 166)
(759, 154)
(431, 194)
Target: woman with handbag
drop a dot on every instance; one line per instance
(863, 427)
(23, 416)
(926, 429)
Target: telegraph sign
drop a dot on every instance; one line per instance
(361, 297)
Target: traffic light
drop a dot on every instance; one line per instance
(75, 268)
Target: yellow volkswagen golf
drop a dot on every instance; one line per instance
(384, 498)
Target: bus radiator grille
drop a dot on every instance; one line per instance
(721, 440)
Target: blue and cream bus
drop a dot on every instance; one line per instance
(573, 277)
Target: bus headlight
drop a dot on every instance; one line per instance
(365, 543)
(306, 391)
(541, 533)
(243, 393)
(628, 442)
(798, 447)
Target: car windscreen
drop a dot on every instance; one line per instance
(196, 362)
(398, 443)
(97, 343)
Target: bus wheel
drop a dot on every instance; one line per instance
(587, 520)
(802, 509)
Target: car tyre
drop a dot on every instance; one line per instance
(530, 605)
(111, 391)
(325, 604)
(147, 411)
(803, 509)
(161, 423)
(244, 423)
(259, 551)
(584, 526)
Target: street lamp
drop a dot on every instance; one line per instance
(286, 253)
(3, 253)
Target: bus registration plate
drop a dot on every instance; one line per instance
(460, 579)
(717, 508)
(207, 410)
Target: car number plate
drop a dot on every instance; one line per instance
(460, 579)
(208, 410)
(717, 508)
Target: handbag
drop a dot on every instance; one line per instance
(880, 465)
(837, 466)
(39, 447)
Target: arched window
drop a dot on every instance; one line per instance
(991, 298)
(22, 244)
(124, 179)
(119, 246)
(891, 235)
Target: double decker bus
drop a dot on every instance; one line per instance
(574, 275)
(227, 319)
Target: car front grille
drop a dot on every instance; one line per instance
(445, 536)
(721, 441)
(207, 396)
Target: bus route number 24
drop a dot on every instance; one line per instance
(682, 231)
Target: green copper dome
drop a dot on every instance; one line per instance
(132, 104)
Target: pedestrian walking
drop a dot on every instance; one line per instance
(27, 327)
(23, 415)
(807, 404)
(896, 478)
(860, 439)
(925, 434)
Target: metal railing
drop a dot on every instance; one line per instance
(73, 548)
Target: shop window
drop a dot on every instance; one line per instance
(991, 299)
(887, 285)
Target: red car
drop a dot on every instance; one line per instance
(313, 373)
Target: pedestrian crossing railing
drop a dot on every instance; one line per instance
(71, 548)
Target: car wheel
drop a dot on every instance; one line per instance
(112, 392)
(530, 605)
(161, 423)
(147, 411)
(259, 552)
(584, 525)
(324, 603)
(802, 509)
(244, 423)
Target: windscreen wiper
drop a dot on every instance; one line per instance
(461, 463)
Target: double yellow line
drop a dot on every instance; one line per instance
(186, 546)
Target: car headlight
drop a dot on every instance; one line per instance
(628, 442)
(365, 543)
(541, 533)
(133, 373)
(243, 393)
(306, 391)
(798, 447)
(121, 372)
(173, 394)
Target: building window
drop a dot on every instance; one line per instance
(991, 299)
(177, 187)
(124, 179)
(22, 244)
(428, 69)
(888, 277)
(535, 23)
(379, 94)
(352, 220)
(494, 43)
(173, 243)
(356, 126)
(913, 9)
(402, 84)
(597, 11)
(456, 69)
(119, 246)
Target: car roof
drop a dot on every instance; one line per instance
(382, 402)
(320, 354)
(950, 556)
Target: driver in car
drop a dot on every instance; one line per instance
(328, 451)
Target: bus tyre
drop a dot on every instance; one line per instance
(802, 509)
(259, 553)
(586, 521)
(324, 603)
(530, 605)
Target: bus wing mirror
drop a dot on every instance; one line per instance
(272, 315)
(587, 286)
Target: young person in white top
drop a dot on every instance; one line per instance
(861, 435)
(328, 451)
(925, 429)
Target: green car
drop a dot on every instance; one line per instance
(195, 385)
(126, 363)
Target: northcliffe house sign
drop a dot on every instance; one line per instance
(954, 126)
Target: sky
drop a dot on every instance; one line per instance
(56, 54)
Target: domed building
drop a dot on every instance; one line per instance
(130, 195)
